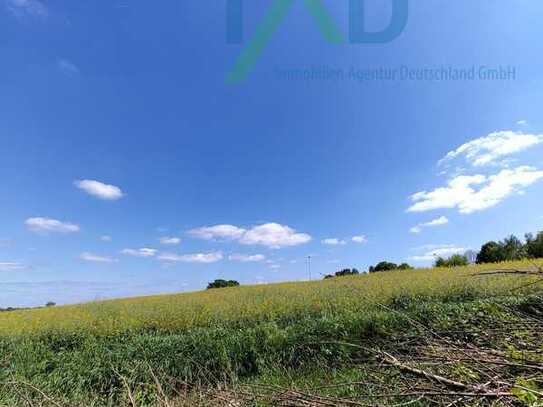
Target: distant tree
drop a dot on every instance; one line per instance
(50, 304)
(534, 246)
(405, 266)
(440, 262)
(456, 260)
(343, 273)
(383, 266)
(513, 249)
(222, 284)
(347, 272)
(491, 252)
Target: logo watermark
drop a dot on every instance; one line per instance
(329, 29)
(402, 73)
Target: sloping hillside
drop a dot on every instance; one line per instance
(421, 336)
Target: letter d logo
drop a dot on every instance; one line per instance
(357, 26)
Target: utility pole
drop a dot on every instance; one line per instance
(309, 266)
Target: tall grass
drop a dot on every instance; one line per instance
(240, 306)
(87, 353)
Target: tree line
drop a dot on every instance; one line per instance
(509, 249)
(512, 248)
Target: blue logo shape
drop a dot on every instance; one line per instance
(325, 23)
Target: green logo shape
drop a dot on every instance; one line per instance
(266, 29)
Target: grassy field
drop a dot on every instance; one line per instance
(142, 351)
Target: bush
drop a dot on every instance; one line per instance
(343, 273)
(534, 246)
(222, 284)
(491, 252)
(347, 272)
(383, 266)
(405, 266)
(456, 260)
(509, 249)
(387, 266)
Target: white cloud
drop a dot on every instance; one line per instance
(192, 258)
(47, 225)
(27, 8)
(11, 266)
(434, 251)
(143, 252)
(274, 235)
(334, 241)
(442, 220)
(415, 230)
(522, 122)
(170, 240)
(230, 232)
(105, 238)
(487, 150)
(96, 258)
(67, 67)
(274, 266)
(247, 258)
(461, 192)
(360, 239)
(99, 189)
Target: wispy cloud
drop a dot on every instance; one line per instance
(247, 258)
(192, 258)
(105, 238)
(172, 241)
(471, 193)
(67, 67)
(227, 232)
(143, 252)
(94, 258)
(12, 266)
(490, 149)
(99, 189)
(48, 225)
(360, 239)
(333, 241)
(442, 220)
(431, 252)
(5, 243)
(27, 8)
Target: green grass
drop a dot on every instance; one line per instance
(87, 353)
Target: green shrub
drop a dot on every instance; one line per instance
(456, 260)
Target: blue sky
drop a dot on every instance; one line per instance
(123, 147)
